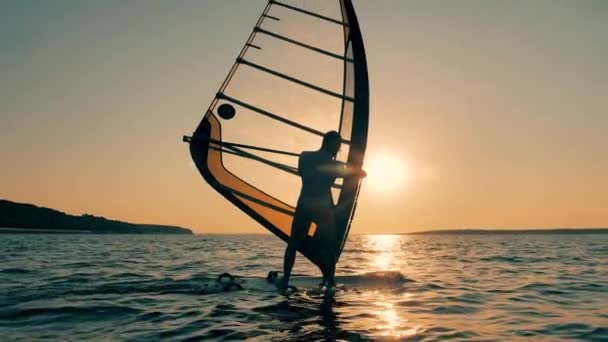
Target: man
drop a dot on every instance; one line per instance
(318, 170)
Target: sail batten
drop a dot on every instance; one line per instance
(271, 115)
(313, 14)
(293, 79)
(304, 45)
(246, 144)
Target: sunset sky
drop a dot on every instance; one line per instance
(495, 112)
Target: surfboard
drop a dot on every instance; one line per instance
(311, 285)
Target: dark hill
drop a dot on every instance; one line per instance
(30, 218)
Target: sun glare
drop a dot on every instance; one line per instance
(386, 173)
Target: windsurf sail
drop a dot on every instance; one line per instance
(302, 72)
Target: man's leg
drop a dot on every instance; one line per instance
(288, 260)
(327, 226)
(298, 233)
(329, 268)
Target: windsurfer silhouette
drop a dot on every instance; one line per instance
(318, 170)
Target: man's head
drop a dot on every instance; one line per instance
(332, 142)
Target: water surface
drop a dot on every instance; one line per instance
(463, 287)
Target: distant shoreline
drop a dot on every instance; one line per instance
(512, 231)
(41, 230)
(453, 232)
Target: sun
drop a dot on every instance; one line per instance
(386, 173)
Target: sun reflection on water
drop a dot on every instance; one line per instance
(386, 247)
(394, 324)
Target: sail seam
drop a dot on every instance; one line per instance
(257, 200)
(254, 46)
(271, 17)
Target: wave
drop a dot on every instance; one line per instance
(454, 309)
(69, 312)
(16, 271)
(574, 330)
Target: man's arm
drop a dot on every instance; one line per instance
(340, 169)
